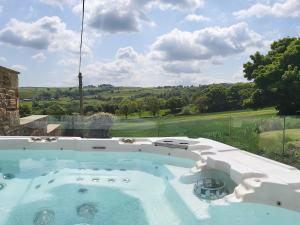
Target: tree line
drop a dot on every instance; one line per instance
(179, 100)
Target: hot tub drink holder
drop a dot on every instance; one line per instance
(210, 188)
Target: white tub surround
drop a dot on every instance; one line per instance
(259, 179)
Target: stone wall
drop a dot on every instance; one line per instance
(35, 125)
(53, 130)
(9, 100)
(10, 122)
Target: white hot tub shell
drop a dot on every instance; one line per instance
(258, 179)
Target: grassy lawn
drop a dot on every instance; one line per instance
(272, 140)
(291, 134)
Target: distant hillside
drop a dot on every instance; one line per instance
(138, 100)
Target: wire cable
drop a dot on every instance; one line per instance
(81, 36)
(80, 62)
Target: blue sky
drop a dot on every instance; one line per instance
(140, 42)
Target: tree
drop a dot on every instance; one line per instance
(58, 94)
(216, 98)
(238, 94)
(127, 107)
(153, 105)
(289, 93)
(124, 109)
(90, 109)
(201, 104)
(45, 95)
(174, 104)
(276, 76)
(140, 107)
(109, 107)
(55, 110)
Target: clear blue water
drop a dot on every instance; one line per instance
(89, 188)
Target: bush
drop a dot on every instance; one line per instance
(188, 110)
(25, 110)
(55, 110)
(99, 124)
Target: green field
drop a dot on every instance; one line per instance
(292, 134)
(191, 126)
(272, 139)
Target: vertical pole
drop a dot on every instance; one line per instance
(230, 125)
(80, 94)
(158, 125)
(283, 136)
(73, 127)
(80, 60)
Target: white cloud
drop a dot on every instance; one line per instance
(175, 58)
(175, 4)
(59, 3)
(182, 67)
(127, 68)
(117, 16)
(19, 67)
(45, 33)
(205, 44)
(144, 71)
(110, 72)
(113, 16)
(127, 53)
(286, 8)
(39, 57)
(196, 18)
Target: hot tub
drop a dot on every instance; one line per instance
(72, 181)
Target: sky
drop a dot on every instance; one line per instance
(140, 42)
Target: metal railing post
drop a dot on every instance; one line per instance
(230, 125)
(283, 136)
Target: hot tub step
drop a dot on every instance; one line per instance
(240, 191)
(252, 183)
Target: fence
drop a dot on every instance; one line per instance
(271, 136)
(268, 135)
